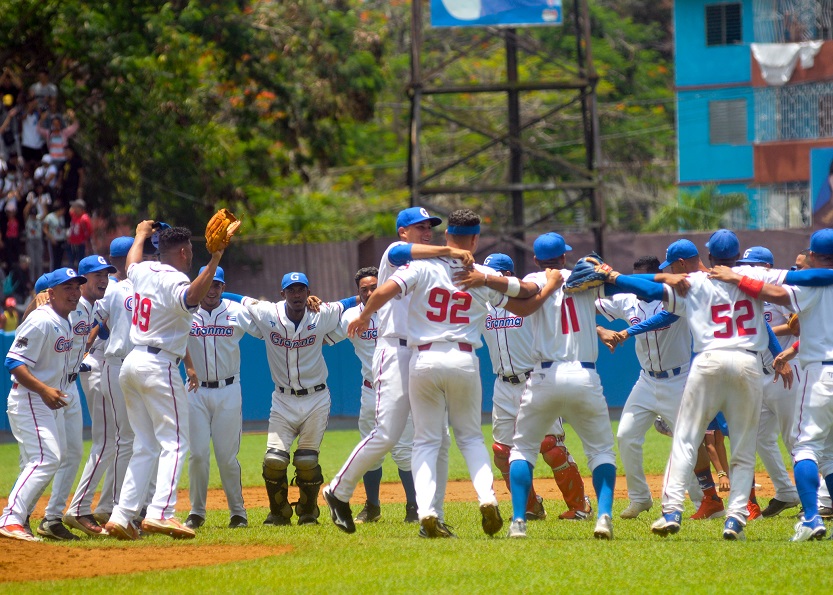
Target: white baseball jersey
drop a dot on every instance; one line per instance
(813, 306)
(161, 318)
(657, 351)
(44, 343)
(294, 354)
(364, 344)
(115, 310)
(214, 342)
(81, 319)
(720, 315)
(439, 311)
(509, 338)
(565, 326)
(393, 316)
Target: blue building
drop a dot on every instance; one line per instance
(754, 82)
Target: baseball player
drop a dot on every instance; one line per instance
(39, 360)
(365, 345)
(444, 327)
(510, 342)
(70, 418)
(216, 407)
(163, 303)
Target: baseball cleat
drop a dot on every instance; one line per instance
(754, 511)
(667, 524)
(733, 530)
(491, 519)
(277, 520)
(28, 527)
(122, 533)
(576, 514)
(710, 508)
(371, 513)
(432, 527)
(776, 507)
(101, 517)
(55, 529)
(238, 522)
(194, 521)
(537, 512)
(411, 515)
(826, 512)
(634, 509)
(17, 532)
(517, 530)
(86, 524)
(171, 527)
(307, 519)
(807, 530)
(604, 528)
(340, 512)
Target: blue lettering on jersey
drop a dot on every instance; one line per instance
(370, 334)
(82, 328)
(211, 331)
(63, 344)
(281, 341)
(493, 324)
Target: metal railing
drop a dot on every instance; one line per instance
(785, 21)
(794, 112)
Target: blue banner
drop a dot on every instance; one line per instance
(495, 13)
(821, 184)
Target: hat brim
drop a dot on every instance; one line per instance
(665, 265)
(753, 261)
(104, 267)
(288, 285)
(80, 278)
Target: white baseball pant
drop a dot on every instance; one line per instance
(506, 401)
(814, 440)
(401, 451)
(70, 421)
(302, 417)
(778, 417)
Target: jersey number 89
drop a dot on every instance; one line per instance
(141, 313)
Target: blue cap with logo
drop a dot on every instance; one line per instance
(679, 250)
(757, 255)
(94, 263)
(120, 246)
(219, 275)
(415, 215)
(723, 244)
(500, 262)
(821, 242)
(550, 245)
(292, 279)
(159, 227)
(41, 283)
(63, 275)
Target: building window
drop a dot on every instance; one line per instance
(723, 26)
(727, 122)
(826, 115)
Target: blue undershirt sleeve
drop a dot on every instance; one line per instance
(349, 302)
(657, 321)
(810, 277)
(11, 363)
(774, 344)
(235, 297)
(400, 255)
(645, 288)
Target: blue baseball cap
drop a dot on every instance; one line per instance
(757, 255)
(63, 275)
(500, 262)
(681, 249)
(219, 275)
(415, 215)
(94, 263)
(821, 242)
(41, 283)
(159, 226)
(292, 279)
(723, 244)
(550, 245)
(120, 246)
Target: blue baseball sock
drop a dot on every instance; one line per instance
(372, 481)
(604, 479)
(520, 482)
(407, 479)
(807, 483)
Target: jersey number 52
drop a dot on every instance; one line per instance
(447, 303)
(733, 317)
(141, 312)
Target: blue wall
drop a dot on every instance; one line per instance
(618, 373)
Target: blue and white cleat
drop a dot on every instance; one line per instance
(807, 530)
(733, 530)
(667, 524)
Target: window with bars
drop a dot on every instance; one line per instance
(826, 115)
(727, 122)
(723, 24)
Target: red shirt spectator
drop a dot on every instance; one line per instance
(80, 231)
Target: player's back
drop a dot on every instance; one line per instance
(510, 341)
(814, 305)
(161, 319)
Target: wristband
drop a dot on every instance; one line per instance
(722, 474)
(514, 287)
(751, 287)
(795, 345)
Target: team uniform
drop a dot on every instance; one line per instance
(154, 392)
(300, 402)
(216, 406)
(44, 344)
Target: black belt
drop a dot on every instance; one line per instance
(157, 351)
(517, 379)
(219, 383)
(588, 365)
(403, 343)
(367, 383)
(304, 391)
(72, 377)
(665, 373)
(827, 363)
(462, 346)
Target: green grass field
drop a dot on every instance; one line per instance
(389, 557)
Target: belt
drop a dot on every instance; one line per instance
(827, 363)
(665, 373)
(154, 351)
(72, 377)
(304, 391)
(367, 383)
(517, 379)
(588, 365)
(219, 383)
(403, 343)
(462, 346)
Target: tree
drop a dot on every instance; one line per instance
(702, 210)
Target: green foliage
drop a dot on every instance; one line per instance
(703, 210)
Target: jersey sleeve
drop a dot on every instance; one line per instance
(673, 303)
(29, 341)
(803, 298)
(330, 313)
(247, 323)
(610, 308)
(407, 277)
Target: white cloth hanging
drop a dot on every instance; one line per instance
(777, 60)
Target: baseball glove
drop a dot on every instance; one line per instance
(795, 327)
(590, 271)
(219, 230)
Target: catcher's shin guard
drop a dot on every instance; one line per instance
(277, 488)
(309, 483)
(565, 472)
